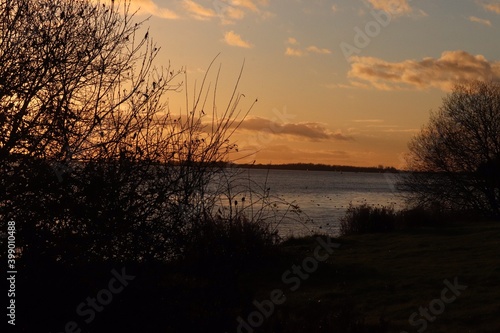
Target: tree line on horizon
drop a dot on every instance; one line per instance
(318, 167)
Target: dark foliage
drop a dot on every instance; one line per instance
(367, 219)
(454, 161)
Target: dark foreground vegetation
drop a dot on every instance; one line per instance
(371, 283)
(366, 219)
(455, 158)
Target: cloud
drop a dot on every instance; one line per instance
(480, 21)
(229, 11)
(309, 130)
(251, 5)
(248, 4)
(370, 129)
(148, 7)
(368, 121)
(315, 49)
(294, 52)
(492, 7)
(441, 73)
(350, 85)
(394, 7)
(403, 130)
(230, 15)
(281, 153)
(198, 11)
(233, 39)
(235, 13)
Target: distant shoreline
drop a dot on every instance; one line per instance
(318, 167)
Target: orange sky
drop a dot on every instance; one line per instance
(338, 82)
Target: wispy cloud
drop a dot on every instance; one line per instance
(231, 16)
(368, 121)
(402, 130)
(394, 7)
(286, 154)
(441, 73)
(148, 7)
(291, 52)
(315, 49)
(228, 11)
(233, 39)
(372, 128)
(232, 10)
(282, 153)
(198, 11)
(480, 20)
(492, 6)
(350, 85)
(295, 51)
(235, 13)
(309, 130)
(249, 4)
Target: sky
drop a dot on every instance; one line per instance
(341, 82)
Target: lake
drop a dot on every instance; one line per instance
(322, 196)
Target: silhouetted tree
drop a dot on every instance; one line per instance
(98, 173)
(455, 160)
(93, 165)
(75, 79)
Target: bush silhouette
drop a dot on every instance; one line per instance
(454, 160)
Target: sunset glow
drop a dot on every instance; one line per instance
(338, 82)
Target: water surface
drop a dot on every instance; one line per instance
(325, 195)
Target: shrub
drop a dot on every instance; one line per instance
(420, 217)
(233, 243)
(367, 219)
